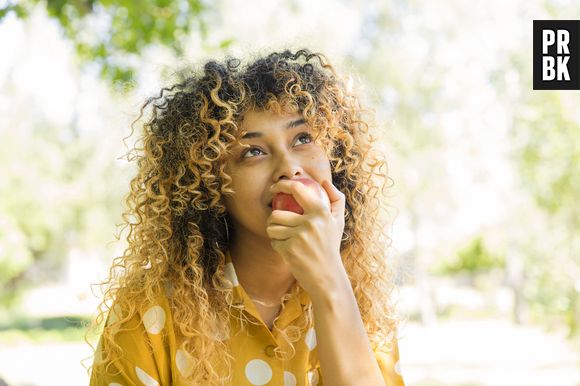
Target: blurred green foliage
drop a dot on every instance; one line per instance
(49, 329)
(473, 259)
(15, 256)
(38, 335)
(546, 152)
(58, 201)
(549, 153)
(47, 323)
(416, 90)
(53, 203)
(112, 34)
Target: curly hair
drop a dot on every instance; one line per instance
(178, 232)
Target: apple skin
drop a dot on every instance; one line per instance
(284, 201)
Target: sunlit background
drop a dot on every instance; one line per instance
(486, 171)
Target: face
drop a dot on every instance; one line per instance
(282, 147)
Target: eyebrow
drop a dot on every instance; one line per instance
(290, 125)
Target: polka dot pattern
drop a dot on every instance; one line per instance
(182, 362)
(310, 338)
(230, 274)
(313, 377)
(289, 379)
(258, 372)
(154, 320)
(145, 378)
(256, 363)
(398, 368)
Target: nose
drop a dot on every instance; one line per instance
(287, 167)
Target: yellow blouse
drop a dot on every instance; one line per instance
(157, 359)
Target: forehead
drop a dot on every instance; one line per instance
(265, 120)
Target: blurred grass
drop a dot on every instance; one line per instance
(50, 329)
(38, 335)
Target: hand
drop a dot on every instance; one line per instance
(310, 243)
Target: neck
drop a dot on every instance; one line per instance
(261, 271)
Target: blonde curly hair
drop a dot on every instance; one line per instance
(178, 228)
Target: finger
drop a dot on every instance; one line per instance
(333, 193)
(285, 217)
(337, 198)
(337, 201)
(303, 195)
(280, 232)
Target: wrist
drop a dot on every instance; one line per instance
(331, 289)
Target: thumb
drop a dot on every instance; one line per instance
(337, 201)
(337, 198)
(333, 193)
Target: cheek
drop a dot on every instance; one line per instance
(229, 203)
(321, 164)
(247, 190)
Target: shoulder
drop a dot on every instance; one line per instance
(129, 312)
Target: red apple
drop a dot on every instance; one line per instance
(284, 201)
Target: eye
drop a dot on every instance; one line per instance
(249, 151)
(305, 135)
(300, 136)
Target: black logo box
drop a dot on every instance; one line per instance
(573, 28)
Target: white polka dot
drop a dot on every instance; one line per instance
(310, 338)
(230, 274)
(398, 368)
(154, 320)
(289, 379)
(115, 384)
(182, 362)
(145, 378)
(313, 377)
(258, 372)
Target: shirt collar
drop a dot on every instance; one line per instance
(296, 299)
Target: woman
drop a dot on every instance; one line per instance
(216, 286)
